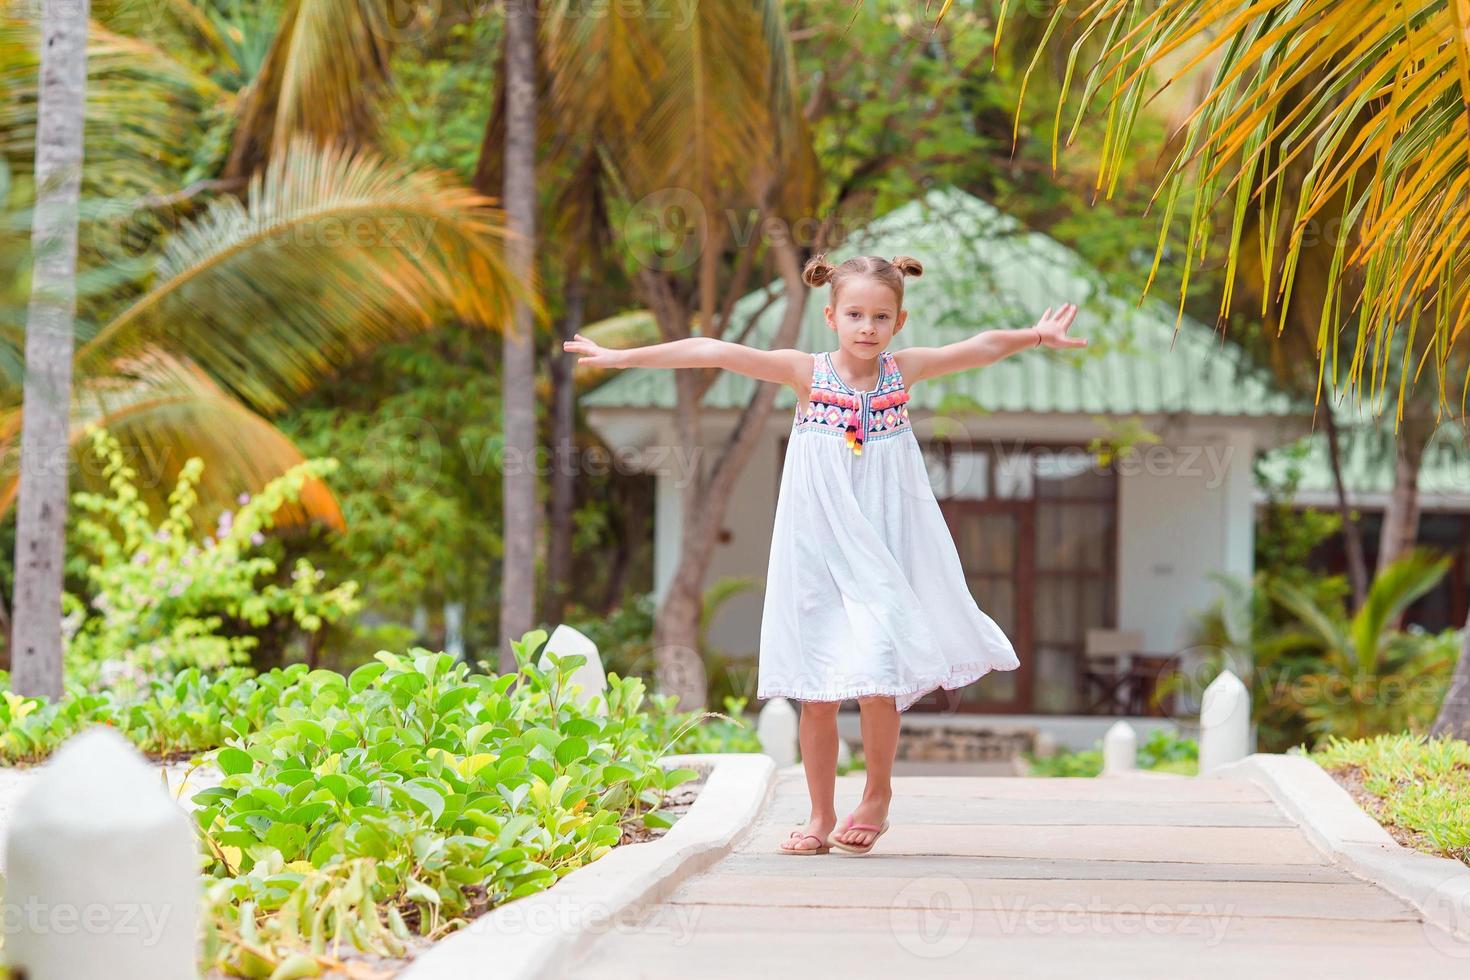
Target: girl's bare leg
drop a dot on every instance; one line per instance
(817, 736)
(880, 745)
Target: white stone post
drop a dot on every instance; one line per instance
(590, 677)
(778, 729)
(1224, 722)
(102, 870)
(1120, 749)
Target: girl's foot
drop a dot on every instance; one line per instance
(873, 810)
(802, 838)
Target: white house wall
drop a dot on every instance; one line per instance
(1185, 511)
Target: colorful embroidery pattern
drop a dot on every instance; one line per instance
(858, 416)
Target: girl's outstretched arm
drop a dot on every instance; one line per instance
(786, 366)
(988, 346)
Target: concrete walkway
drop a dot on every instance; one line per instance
(1131, 877)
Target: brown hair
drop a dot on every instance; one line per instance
(891, 273)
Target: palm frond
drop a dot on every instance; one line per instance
(323, 76)
(698, 97)
(1363, 105)
(142, 116)
(332, 252)
(1327, 628)
(1394, 589)
(163, 410)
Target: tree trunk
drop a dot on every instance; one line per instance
(518, 386)
(564, 444)
(1352, 536)
(40, 540)
(1454, 711)
(678, 664)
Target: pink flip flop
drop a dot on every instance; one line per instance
(857, 848)
(805, 850)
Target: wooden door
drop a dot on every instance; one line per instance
(995, 541)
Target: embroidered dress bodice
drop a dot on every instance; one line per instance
(858, 416)
(865, 593)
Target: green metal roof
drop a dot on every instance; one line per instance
(983, 270)
(1368, 461)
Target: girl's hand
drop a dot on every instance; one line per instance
(1053, 327)
(594, 354)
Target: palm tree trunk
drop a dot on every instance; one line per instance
(40, 540)
(563, 441)
(1352, 537)
(1400, 528)
(518, 382)
(1454, 711)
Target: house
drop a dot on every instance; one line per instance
(1093, 564)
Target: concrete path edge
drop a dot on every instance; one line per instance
(539, 935)
(1332, 820)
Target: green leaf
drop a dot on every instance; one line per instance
(572, 750)
(233, 761)
(363, 676)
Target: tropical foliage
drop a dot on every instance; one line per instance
(1340, 125)
(158, 600)
(398, 801)
(1313, 667)
(1162, 751)
(1417, 787)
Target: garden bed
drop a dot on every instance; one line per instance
(353, 821)
(358, 965)
(1417, 789)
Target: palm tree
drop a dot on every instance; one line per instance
(195, 343)
(41, 523)
(518, 367)
(255, 302)
(1380, 672)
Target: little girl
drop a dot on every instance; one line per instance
(865, 597)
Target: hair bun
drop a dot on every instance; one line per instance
(818, 271)
(908, 265)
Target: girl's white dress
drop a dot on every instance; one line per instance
(864, 592)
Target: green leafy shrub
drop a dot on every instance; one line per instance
(1162, 751)
(1314, 668)
(729, 731)
(412, 795)
(158, 598)
(188, 713)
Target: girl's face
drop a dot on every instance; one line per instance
(865, 317)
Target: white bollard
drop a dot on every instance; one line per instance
(102, 870)
(591, 677)
(1120, 749)
(1044, 745)
(778, 729)
(1224, 722)
(844, 753)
